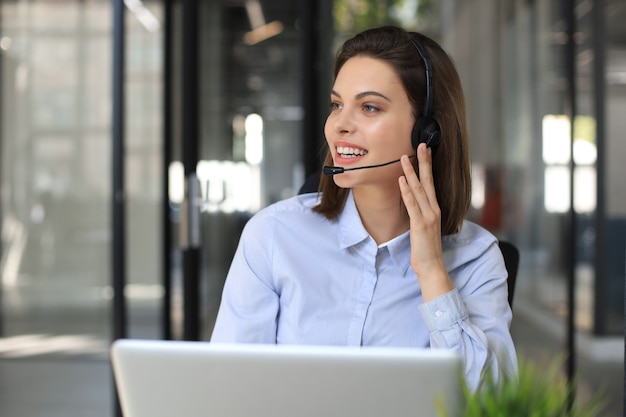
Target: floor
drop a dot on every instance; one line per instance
(59, 383)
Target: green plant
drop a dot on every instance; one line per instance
(534, 392)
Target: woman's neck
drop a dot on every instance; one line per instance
(382, 213)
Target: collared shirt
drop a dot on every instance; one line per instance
(299, 278)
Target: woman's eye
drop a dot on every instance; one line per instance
(370, 108)
(334, 105)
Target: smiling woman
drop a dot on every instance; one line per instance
(382, 255)
(370, 110)
(420, 75)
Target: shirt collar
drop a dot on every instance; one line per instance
(400, 251)
(352, 232)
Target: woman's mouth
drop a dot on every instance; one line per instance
(348, 152)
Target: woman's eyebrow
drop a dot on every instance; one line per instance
(371, 93)
(363, 94)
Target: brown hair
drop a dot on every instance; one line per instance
(451, 170)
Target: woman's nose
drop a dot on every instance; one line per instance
(343, 122)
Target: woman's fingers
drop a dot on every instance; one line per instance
(419, 193)
(419, 197)
(407, 194)
(425, 167)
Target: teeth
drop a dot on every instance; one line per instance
(347, 152)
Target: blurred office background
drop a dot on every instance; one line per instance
(137, 137)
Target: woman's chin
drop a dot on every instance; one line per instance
(344, 181)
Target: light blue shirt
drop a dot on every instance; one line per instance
(299, 278)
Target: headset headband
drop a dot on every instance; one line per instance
(428, 105)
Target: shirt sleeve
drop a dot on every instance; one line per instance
(474, 319)
(249, 307)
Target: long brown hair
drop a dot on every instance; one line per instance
(451, 170)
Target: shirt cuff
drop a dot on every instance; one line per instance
(444, 311)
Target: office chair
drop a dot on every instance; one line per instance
(511, 263)
(510, 253)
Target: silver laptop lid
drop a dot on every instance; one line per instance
(193, 379)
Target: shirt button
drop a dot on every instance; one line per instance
(438, 313)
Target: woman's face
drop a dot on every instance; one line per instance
(370, 122)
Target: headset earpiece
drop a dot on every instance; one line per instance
(426, 131)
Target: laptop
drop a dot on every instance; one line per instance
(192, 379)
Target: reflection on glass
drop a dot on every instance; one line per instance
(229, 187)
(478, 186)
(556, 192)
(254, 139)
(584, 189)
(556, 139)
(556, 154)
(176, 186)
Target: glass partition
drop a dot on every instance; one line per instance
(56, 60)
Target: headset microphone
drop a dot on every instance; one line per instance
(338, 170)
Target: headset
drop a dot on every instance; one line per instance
(426, 129)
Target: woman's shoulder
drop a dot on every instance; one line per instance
(471, 242)
(470, 233)
(302, 203)
(291, 211)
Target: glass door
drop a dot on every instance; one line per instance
(250, 137)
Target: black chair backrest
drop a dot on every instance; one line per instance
(311, 183)
(511, 262)
(509, 251)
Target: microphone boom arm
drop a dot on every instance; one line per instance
(338, 170)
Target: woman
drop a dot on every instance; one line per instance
(381, 255)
